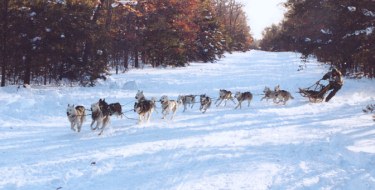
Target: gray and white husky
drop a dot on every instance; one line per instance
(186, 100)
(282, 95)
(76, 116)
(242, 97)
(269, 94)
(139, 96)
(224, 95)
(205, 103)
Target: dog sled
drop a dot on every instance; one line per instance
(315, 93)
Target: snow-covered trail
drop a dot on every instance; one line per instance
(265, 146)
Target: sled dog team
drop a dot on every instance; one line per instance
(101, 110)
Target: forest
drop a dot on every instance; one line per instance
(45, 41)
(337, 32)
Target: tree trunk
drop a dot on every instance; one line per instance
(136, 62)
(4, 42)
(27, 75)
(126, 59)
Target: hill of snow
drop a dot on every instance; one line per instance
(265, 146)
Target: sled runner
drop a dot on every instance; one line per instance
(314, 93)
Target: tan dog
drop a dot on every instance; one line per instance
(76, 116)
(242, 97)
(167, 106)
(224, 95)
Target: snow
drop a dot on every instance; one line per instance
(265, 146)
(352, 9)
(369, 13)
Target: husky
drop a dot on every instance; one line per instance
(242, 97)
(369, 108)
(186, 100)
(282, 95)
(167, 106)
(269, 94)
(205, 103)
(115, 109)
(98, 116)
(224, 95)
(144, 108)
(76, 116)
(105, 113)
(139, 96)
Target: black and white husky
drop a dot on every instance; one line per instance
(115, 109)
(76, 116)
(370, 109)
(224, 95)
(186, 100)
(243, 97)
(205, 103)
(144, 108)
(168, 106)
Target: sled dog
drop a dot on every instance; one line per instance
(100, 114)
(76, 116)
(269, 94)
(369, 108)
(224, 95)
(139, 96)
(115, 109)
(282, 95)
(242, 97)
(205, 103)
(167, 106)
(186, 100)
(99, 117)
(144, 109)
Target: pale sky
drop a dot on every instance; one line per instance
(263, 13)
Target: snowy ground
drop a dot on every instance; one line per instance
(264, 146)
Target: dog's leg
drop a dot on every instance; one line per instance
(238, 105)
(219, 103)
(205, 109)
(139, 119)
(105, 123)
(174, 109)
(79, 125)
(92, 123)
(72, 125)
(149, 115)
(217, 100)
(248, 103)
(233, 101)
